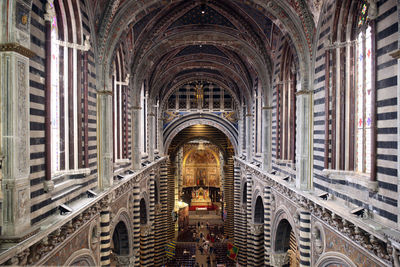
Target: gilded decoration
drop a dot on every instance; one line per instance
(201, 168)
(336, 244)
(230, 116)
(22, 17)
(170, 116)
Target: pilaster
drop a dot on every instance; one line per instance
(303, 140)
(104, 139)
(267, 111)
(151, 135)
(14, 130)
(249, 135)
(136, 164)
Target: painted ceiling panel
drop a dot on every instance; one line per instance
(202, 15)
(204, 49)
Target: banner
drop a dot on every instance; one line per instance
(232, 251)
(170, 249)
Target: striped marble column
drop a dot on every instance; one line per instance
(305, 238)
(257, 239)
(240, 225)
(236, 201)
(161, 218)
(267, 224)
(105, 239)
(151, 219)
(228, 193)
(136, 224)
(249, 237)
(145, 246)
(171, 200)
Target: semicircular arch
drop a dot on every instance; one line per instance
(206, 119)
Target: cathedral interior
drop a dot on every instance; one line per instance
(191, 132)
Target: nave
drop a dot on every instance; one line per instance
(125, 122)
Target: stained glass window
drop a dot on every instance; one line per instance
(55, 98)
(362, 18)
(364, 101)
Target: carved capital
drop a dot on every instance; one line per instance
(257, 229)
(279, 259)
(50, 11)
(14, 47)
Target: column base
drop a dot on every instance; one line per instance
(48, 186)
(10, 240)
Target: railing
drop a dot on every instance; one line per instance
(377, 239)
(52, 232)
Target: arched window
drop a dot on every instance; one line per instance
(364, 92)
(66, 96)
(143, 104)
(120, 113)
(286, 107)
(55, 96)
(351, 88)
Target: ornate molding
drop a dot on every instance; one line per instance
(50, 11)
(304, 92)
(279, 259)
(85, 47)
(257, 229)
(267, 108)
(41, 244)
(395, 54)
(104, 92)
(375, 242)
(15, 47)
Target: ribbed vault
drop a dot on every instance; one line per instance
(229, 41)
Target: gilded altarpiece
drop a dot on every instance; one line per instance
(201, 167)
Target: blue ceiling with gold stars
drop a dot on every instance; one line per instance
(201, 49)
(202, 15)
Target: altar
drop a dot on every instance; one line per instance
(200, 198)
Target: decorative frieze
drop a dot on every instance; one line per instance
(42, 243)
(374, 241)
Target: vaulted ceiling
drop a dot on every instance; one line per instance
(230, 42)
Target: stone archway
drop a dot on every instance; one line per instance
(282, 239)
(83, 257)
(143, 212)
(259, 211)
(256, 246)
(120, 240)
(284, 242)
(334, 259)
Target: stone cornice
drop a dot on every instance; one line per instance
(395, 54)
(36, 248)
(15, 47)
(304, 92)
(104, 92)
(368, 234)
